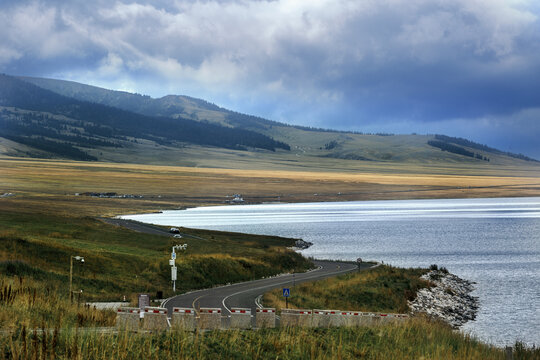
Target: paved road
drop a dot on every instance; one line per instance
(144, 228)
(245, 294)
(242, 294)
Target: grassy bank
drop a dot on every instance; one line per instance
(413, 340)
(36, 245)
(381, 289)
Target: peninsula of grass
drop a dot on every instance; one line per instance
(383, 288)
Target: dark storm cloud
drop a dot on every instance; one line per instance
(348, 64)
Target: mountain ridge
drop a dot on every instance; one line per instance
(120, 126)
(51, 116)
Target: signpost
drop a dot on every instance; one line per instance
(144, 300)
(173, 265)
(286, 294)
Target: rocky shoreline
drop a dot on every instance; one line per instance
(448, 299)
(302, 244)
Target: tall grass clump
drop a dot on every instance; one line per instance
(26, 302)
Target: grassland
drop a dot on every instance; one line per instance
(122, 262)
(52, 184)
(44, 223)
(31, 300)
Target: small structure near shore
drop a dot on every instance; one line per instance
(237, 199)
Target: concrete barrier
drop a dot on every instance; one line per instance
(402, 317)
(383, 318)
(296, 317)
(128, 318)
(374, 318)
(240, 318)
(265, 318)
(183, 319)
(155, 318)
(210, 318)
(345, 318)
(394, 318)
(335, 318)
(388, 318)
(320, 318)
(288, 318)
(358, 318)
(305, 318)
(354, 318)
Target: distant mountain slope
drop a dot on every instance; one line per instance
(444, 142)
(39, 118)
(170, 106)
(211, 125)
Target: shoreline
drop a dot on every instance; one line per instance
(448, 300)
(207, 205)
(445, 308)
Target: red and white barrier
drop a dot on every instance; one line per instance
(296, 317)
(127, 318)
(210, 311)
(184, 319)
(155, 311)
(210, 318)
(155, 318)
(240, 318)
(265, 318)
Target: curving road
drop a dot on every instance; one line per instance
(243, 294)
(246, 294)
(144, 228)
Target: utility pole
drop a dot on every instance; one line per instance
(78, 258)
(173, 265)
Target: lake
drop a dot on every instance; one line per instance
(493, 242)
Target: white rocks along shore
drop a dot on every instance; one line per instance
(449, 299)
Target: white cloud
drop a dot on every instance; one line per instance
(343, 60)
(7, 55)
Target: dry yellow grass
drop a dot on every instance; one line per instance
(56, 182)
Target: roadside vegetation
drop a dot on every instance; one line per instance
(28, 300)
(416, 339)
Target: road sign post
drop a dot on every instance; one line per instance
(286, 294)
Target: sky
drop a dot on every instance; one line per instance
(467, 68)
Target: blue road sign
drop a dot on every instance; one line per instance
(286, 292)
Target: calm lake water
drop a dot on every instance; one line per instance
(494, 242)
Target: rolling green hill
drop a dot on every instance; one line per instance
(56, 118)
(53, 123)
